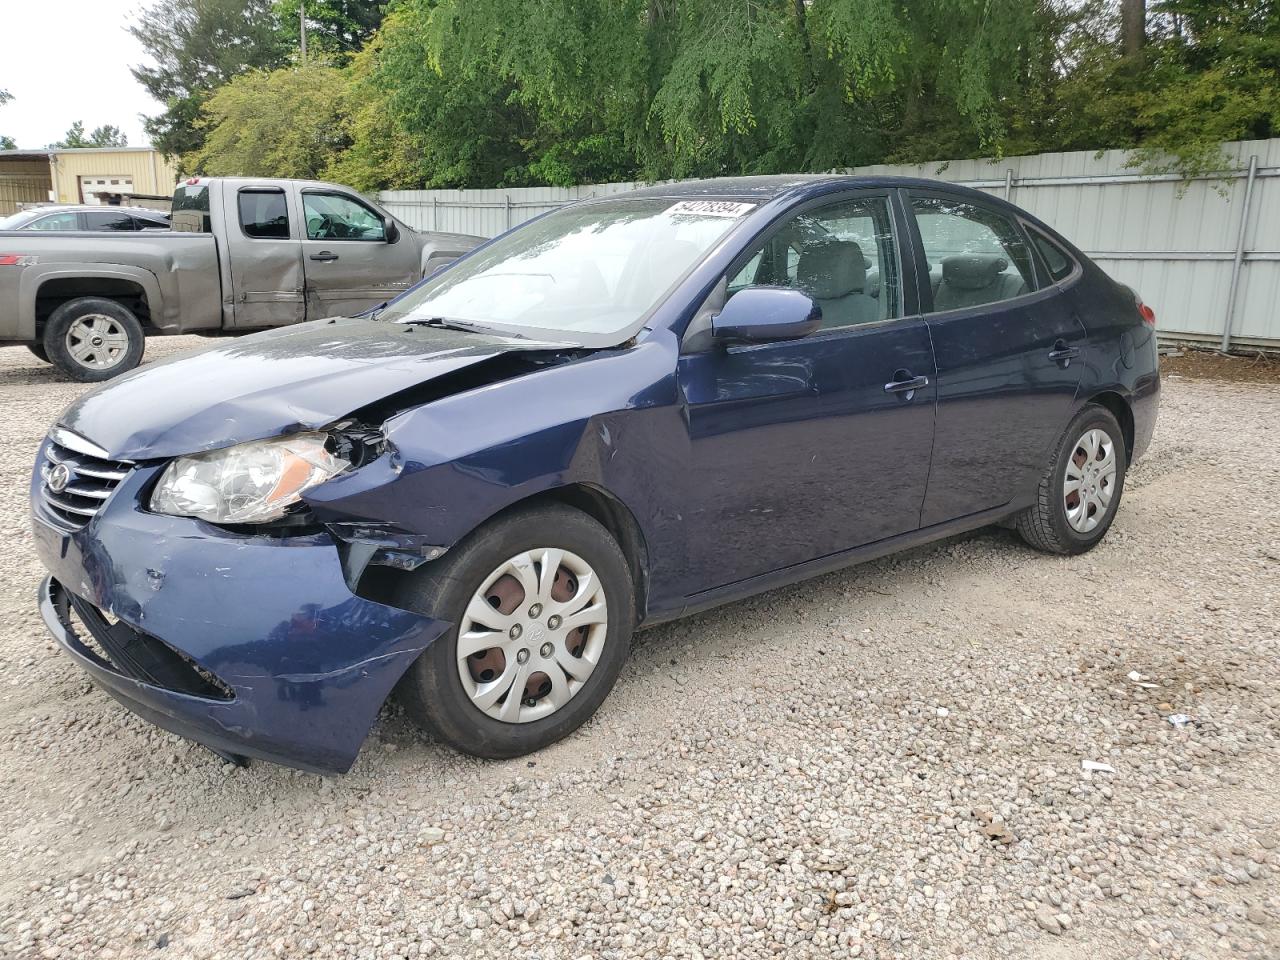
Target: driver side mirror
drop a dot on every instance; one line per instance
(762, 314)
(390, 232)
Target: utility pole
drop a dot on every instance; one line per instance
(302, 28)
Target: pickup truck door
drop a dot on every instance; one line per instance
(350, 262)
(264, 256)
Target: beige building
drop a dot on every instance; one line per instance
(88, 175)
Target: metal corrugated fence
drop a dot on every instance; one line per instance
(1205, 254)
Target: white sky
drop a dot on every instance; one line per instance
(68, 60)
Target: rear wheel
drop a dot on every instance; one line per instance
(544, 607)
(1080, 491)
(92, 339)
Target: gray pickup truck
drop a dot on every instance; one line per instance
(242, 254)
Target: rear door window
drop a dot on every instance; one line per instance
(108, 220)
(264, 214)
(975, 255)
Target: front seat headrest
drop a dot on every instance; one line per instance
(832, 268)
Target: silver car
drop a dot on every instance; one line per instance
(86, 217)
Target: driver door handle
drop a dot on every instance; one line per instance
(1063, 354)
(324, 255)
(905, 384)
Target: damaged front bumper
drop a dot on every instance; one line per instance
(255, 646)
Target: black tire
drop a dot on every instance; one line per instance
(116, 314)
(1045, 525)
(38, 350)
(432, 690)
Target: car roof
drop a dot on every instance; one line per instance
(275, 183)
(764, 188)
(77, 207)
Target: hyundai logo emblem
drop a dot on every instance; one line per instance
(57, 477)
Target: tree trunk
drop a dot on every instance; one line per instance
(802, 27)
(1133, 26)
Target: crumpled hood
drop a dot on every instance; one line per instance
(304, 376)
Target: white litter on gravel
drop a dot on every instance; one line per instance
(771, 779)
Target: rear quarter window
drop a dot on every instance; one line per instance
(191, 208)
(1058, 262)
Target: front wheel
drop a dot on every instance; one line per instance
(92, 339)
(37, 349)
(543, 606)
(1079, 493)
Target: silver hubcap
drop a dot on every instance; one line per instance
(97, 341)
(532, 635)
(1089, 482)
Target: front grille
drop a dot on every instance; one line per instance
(74, 484)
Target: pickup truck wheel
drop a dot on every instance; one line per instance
(93, 339)
(38, 350)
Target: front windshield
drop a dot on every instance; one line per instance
(591, 269)
(14, 221)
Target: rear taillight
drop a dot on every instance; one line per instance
(1148, 315)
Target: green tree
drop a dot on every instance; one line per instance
(416, 122)
(601, 89)
(1208, 71)
(334, 27)
(108, 136)
(1213, 76)
(6, 143)
(489, 92)
(198, 46)
(104, 136)
(280, 123)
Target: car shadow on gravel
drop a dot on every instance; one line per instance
(33, 374)
(680, 647)
(19, 368)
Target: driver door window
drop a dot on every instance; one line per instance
(843, 255)
(331, 216)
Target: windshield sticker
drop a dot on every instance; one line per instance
(712, 208)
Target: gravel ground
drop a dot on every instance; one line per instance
(885, 762)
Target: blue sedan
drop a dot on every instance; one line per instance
(618, 414)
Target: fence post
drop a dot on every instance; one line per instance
(435, 214)
(1008, 184)
(507, 198)
(1238, 261)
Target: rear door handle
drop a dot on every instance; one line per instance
(905, 384)
(1063, 354)
(324, 255)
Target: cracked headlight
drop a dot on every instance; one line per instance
(248, 483)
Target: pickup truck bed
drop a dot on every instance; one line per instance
(177, 272)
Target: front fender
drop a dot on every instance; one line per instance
(608, 420)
